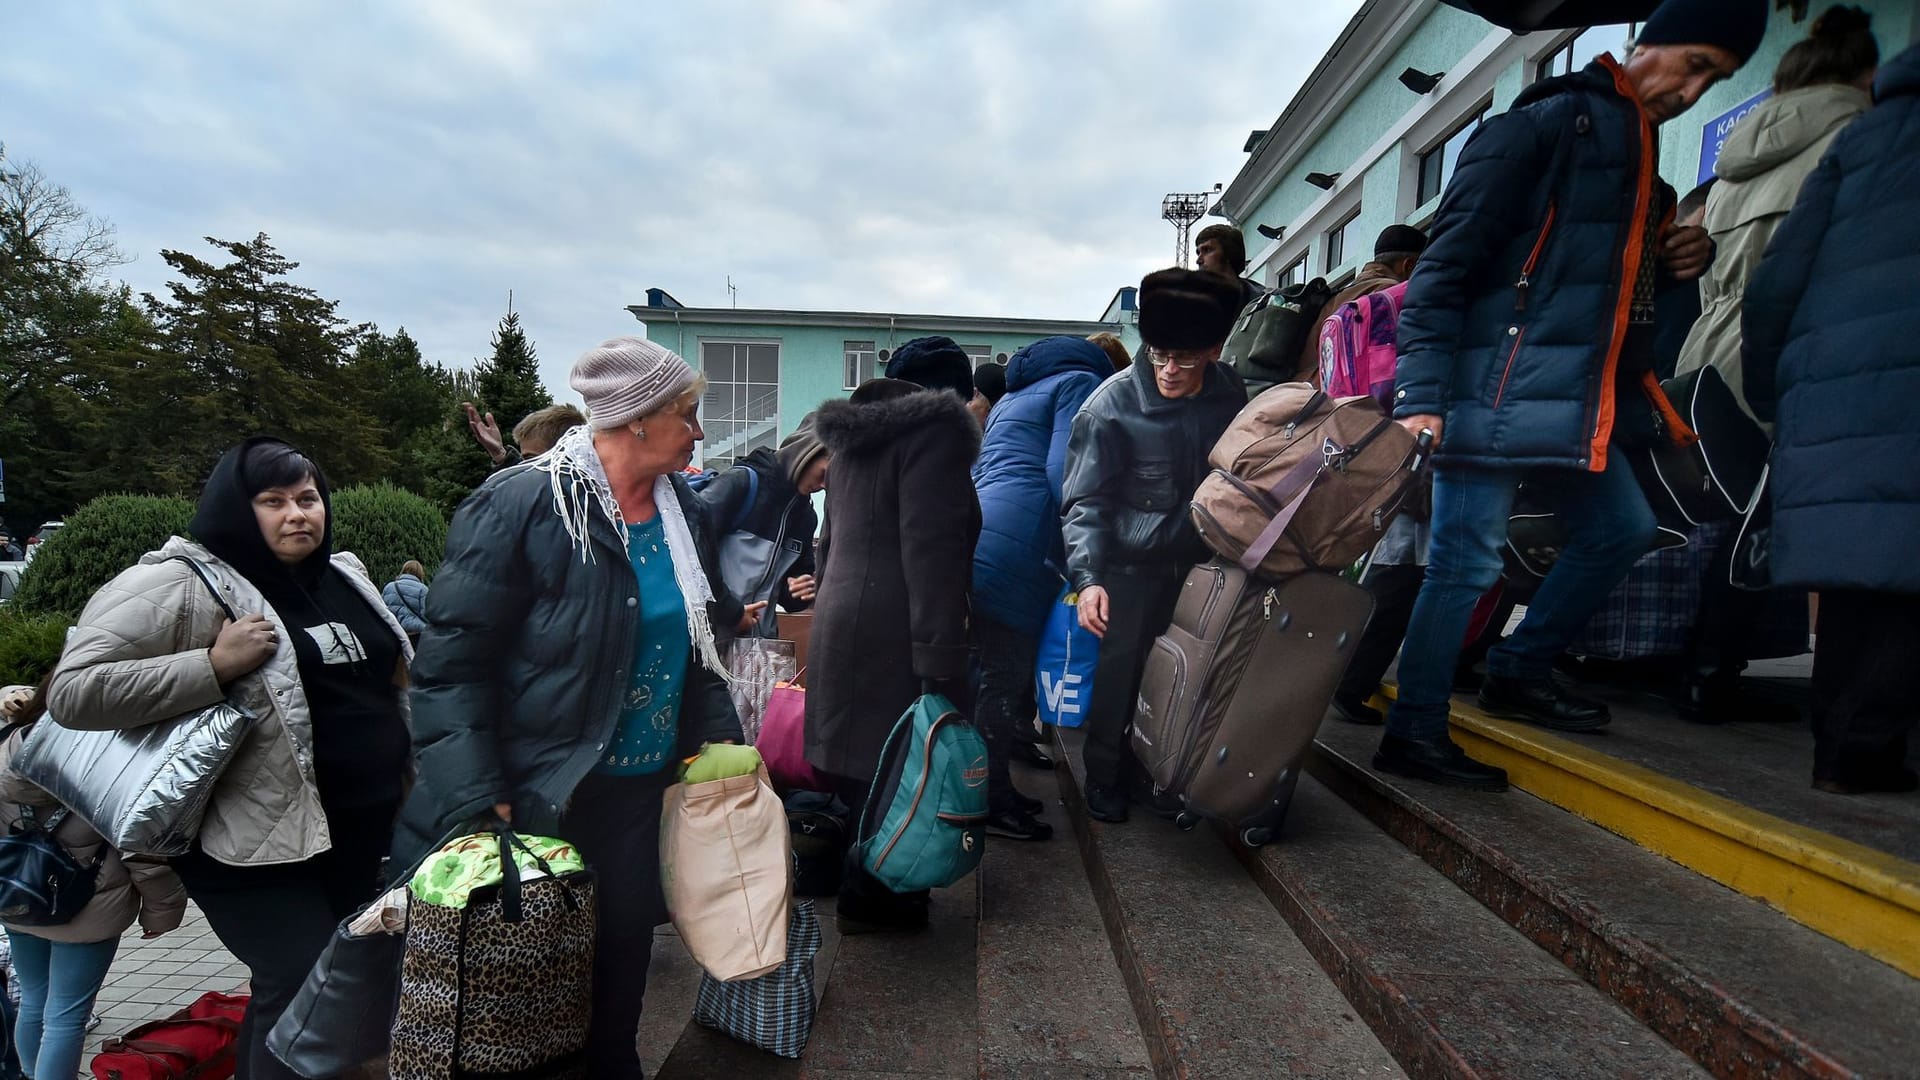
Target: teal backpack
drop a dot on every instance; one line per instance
(930, 799)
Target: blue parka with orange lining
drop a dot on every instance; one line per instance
(1514, 323)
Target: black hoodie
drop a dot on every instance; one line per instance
(347, 654)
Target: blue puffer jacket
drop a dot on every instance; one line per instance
(1020, 561)
(1829, 349)
(1514, 320)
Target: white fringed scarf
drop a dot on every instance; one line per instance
(580, 482)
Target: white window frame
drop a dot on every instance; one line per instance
(977, 355)
(1285, 276)
(857, 362)
(707, 415)
(1339, 229)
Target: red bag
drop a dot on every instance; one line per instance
(782, 741)
(195, 1043)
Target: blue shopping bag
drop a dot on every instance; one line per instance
(1063, 670)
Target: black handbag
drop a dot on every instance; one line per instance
(1271, 333)
(1716, 477)
(41, 883)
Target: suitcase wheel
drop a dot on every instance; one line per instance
(1186, 820)
(1255, 836)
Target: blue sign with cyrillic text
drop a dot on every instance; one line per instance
(1713, 137)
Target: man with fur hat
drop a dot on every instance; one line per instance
(1137, 453)
(1526, 348)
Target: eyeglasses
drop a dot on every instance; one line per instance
(1184, 359)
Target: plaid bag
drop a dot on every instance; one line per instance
(775, 1011)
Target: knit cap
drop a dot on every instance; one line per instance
(935, 363)
(1734, 25)
(625, 378)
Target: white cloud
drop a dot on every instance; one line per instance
(421, 158)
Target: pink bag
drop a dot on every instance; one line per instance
(783, 739)
(1357, 347)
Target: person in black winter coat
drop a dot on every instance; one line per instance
(894, 569)
(762, 510)
(569, 661)
(1137, 453)
(1830, 356)
(1526, 346)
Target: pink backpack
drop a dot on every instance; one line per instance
(1357, 353)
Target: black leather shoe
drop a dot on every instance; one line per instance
(1541, 702)
(1357, 712)
(1031, 754)
(1438, 760)
(1014, 825)
(860, 915)
(1159, 803)
(1105, 804)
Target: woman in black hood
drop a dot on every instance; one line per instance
(300, 820)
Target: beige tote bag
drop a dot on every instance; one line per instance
(726, 865)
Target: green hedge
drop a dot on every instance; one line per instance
(102, 538)
(29, 644)
(385, 526)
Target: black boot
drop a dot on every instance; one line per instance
(1858, 773)
(1355, 711)
(1016, 824)
(1106, 804)
(1541, 702)
(1439, 760)
(1031, 753)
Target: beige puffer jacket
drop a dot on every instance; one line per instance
(126, 888)
(140, 654)
(1769, 154)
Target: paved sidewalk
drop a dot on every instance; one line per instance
(154, 979)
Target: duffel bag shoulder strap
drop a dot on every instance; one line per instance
(1291, 493)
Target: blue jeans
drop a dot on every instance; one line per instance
(1610, 527)
(58, 982)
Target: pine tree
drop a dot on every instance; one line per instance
(509, 381)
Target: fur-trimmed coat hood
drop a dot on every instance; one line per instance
(884, 410)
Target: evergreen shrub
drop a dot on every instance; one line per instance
(105, 536)
(30, 644)
(385, 526)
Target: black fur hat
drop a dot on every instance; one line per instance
(1187, 309)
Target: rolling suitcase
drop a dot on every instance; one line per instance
(1235, 689)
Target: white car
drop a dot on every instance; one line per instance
(41, 535)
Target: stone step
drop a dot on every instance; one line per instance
(1740, 987)
(1014, 978)
(1220, 984)
(1449, 988)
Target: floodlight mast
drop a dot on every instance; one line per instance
(1183, 210)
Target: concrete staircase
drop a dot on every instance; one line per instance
(1392, 929)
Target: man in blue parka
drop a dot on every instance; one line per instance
(1020, 561)
(1830, 354)
(1526, 348)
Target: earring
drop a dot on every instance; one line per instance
(642, 433)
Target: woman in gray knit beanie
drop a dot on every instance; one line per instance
(569, 659)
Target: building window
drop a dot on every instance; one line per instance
(861, 359)
(1337, 242)
(1436, 165)
(1585, 47)
(741, 410)
(978, 354)
(1295, 274)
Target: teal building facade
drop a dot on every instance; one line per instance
(1366, 124)
(767, 368)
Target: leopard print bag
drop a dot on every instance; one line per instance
(501, 986)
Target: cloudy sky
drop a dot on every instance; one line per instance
(420, 158)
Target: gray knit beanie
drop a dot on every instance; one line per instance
(625, 378)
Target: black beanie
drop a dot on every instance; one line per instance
(1187, 309)
(1399, 240)
(1734, 25)
(991, 381)
(935, 363)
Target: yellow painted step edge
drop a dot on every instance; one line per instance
(1854, 894)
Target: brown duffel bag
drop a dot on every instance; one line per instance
(1302, 481)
